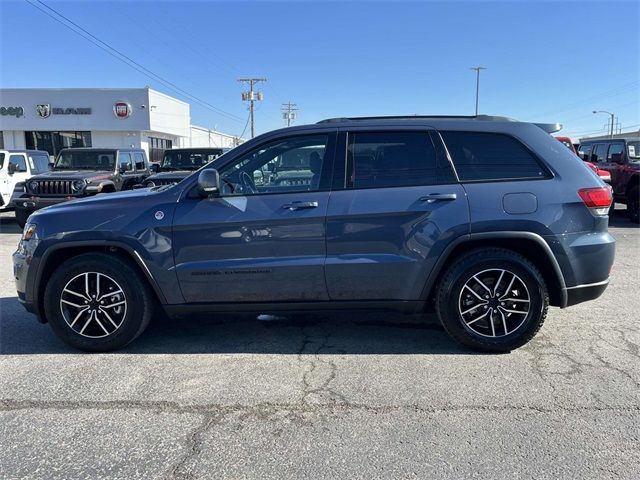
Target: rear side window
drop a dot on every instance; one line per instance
(139, 161)
(390, 159)
(491, 156)
(598, 153)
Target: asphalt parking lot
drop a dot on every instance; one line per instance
(331, 396)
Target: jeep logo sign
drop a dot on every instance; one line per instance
(122, 109)
(11, 111)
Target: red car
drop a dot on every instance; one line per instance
(603, 174)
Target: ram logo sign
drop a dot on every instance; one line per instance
(43, 110)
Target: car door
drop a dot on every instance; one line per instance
(127, 170)
(616, 169)
(21, 174)
(391, 214)
(142, 167)
(258, 241)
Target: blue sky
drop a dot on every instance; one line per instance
(546, 61)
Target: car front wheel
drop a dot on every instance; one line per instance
(492, 300)
(97, 302)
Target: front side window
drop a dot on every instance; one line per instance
(390, 159)
(615, 149)
(124, 162)
(292, 164)
(139, 157)
(598, 153)
(18, 161)
(484, 156)
(39, 163)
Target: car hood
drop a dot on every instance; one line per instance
(105, 200)
(73, 175)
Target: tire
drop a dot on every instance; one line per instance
(104, 326)
(633, 205)
(22, 216)
(460, 297)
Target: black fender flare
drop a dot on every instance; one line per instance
(509, 235)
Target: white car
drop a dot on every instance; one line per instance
(16, 167)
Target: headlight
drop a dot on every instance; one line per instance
(29, 231)
(150, 184)
(33, 185)
(78, 185)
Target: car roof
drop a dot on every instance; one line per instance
(89, 149)
(434, 121)
(601, 140)
(23, 150)
(192, 149)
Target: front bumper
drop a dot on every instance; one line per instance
(36, 203)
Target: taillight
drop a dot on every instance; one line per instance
(598, 199)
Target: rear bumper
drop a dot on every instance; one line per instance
(584, 293)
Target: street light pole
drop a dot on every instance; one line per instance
(477, 69)
(613, 119)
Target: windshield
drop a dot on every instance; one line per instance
(188, 160)
(39, 163)
(634, 151)
(86, 159)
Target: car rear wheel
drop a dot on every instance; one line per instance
(492, 300)
(633, 205)
(97, 302)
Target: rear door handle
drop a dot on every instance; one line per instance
(300, 205)
(434, 197)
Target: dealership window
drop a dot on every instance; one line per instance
(53, 142)
(157, 146)
(1, 140)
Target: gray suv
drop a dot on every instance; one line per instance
(487, 219)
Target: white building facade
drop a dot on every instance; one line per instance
(51, 119)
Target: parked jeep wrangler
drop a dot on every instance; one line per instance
(82, 172)
(487, 219)
(179, 163)
(621, 157)
(16, 167)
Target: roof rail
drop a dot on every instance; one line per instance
(410, 117)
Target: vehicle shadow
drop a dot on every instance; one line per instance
(620, 219)
(358, 333)
(8, 223)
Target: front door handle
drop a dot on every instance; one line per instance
(300, 205)
(434, 197)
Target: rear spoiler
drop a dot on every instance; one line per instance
(549, 127)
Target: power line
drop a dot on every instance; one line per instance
(126, 59)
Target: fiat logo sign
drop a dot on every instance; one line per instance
(122, 109)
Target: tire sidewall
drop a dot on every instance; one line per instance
(124, 276)
(537, 295)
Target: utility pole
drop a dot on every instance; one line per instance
(251, 96)
(613, 120)
(477, 69)
(289, 112)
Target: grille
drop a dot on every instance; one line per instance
(52, 187)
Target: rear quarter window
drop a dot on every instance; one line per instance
(481, 156)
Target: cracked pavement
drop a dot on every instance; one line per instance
(326, 396)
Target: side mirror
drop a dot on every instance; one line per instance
(616, 157)
(582, 155)
(209, 182)
(11, 168)
(154, 168)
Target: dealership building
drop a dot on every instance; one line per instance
(54, 118)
